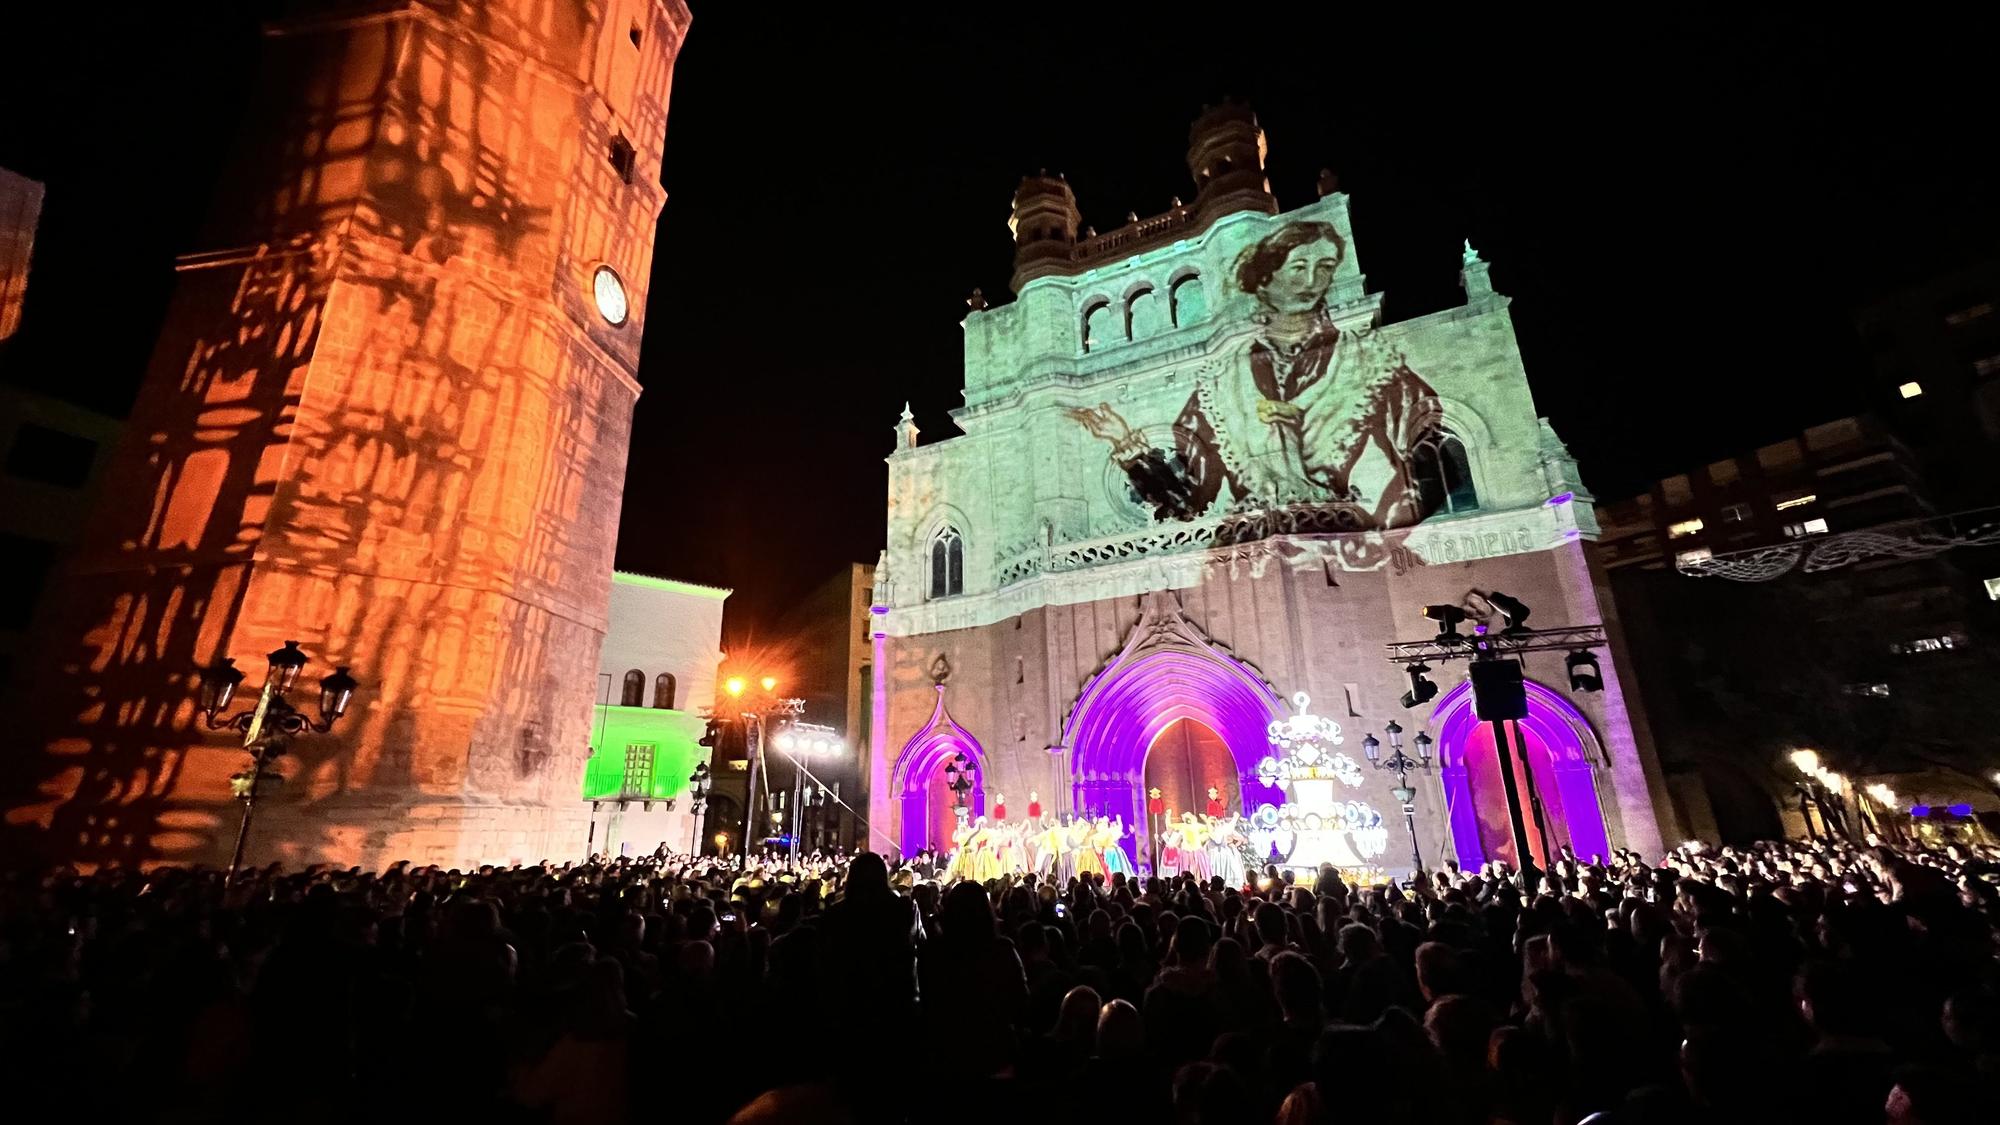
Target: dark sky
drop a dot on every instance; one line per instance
(1686, 213)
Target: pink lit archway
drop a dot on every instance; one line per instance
(920, 768)
(1562, 749)
(1168, 671)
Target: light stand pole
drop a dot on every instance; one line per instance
(1500, 640)
(1402, 764)
(269, 727)
(799, 741)
(753, 715)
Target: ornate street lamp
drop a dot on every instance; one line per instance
(699, 784)
(269, 727)
(1402, 764)
(958, 779)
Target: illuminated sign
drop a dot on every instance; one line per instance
(1993, 589)
(1797, 501)
(1911, 389)
(1684, 527)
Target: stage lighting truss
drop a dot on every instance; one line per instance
(1566, 638)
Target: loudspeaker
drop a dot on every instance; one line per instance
(1498, 691)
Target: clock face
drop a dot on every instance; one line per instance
(609, 290)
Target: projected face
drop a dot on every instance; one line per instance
(1301, 281)
(1304, 412)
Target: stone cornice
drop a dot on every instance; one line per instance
(1175, 566)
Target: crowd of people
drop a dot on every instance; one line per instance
(1824, 982)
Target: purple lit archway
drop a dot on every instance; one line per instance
(1145, 691)
(1562, 748)
(919, 771)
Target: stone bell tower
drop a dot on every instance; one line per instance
(387, 416)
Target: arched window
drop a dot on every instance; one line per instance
(1101, 326)
(1144, 315)
(1443, 474)
(1190, 301)
(634, 694)
(663, 691)
(947, 563)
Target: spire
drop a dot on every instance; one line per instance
(1472, 276)
(906, 429)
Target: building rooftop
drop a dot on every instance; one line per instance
(655, 582)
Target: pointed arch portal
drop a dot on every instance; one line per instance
(918, 780)
(1168, 672)
(1561, 752)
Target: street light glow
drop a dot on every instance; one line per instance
(734, 685)
(770, 683)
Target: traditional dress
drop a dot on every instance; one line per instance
(1007, 850)
(1170, 852)
(1194, 849)
(1225, 859)
(1082, 841)
(1065, 852)
(1109, 840)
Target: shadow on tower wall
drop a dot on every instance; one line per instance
(374, 424)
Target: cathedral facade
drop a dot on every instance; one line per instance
(1200, 486)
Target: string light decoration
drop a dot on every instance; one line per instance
(1905, 540)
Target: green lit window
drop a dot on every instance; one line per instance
(638, 768)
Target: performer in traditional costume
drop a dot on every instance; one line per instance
(1110, 842)
(954, 867)
(1226, 860)
(1083, 841)
(1194, 848)
(1045, 844)
(1007, 849)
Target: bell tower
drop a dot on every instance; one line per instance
(387, 416)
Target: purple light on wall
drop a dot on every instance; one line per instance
(1558, 726)
(918, 766)
(1126, 707)
(1561, 498)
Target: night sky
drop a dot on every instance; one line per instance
(1686, 214)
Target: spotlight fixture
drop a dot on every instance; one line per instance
(1448, 618)
(1584, 675)
(1511, 608)
(1421, 690)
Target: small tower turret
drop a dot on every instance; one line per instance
(1473, 276)
(1044, 223)
(1226, 152)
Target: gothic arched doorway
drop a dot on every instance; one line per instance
(1560, 750)
(925, 806)
(1168, 673)
(1185, 761)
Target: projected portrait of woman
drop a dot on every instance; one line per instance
(1303, 413)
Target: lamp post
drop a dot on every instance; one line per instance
(1402, 764)
(269, 726)
(699, 783)
(958, 779)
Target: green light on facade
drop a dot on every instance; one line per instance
(643, 754)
